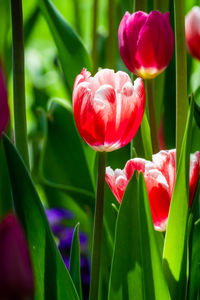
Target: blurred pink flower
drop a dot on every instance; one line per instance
(159, 175)
(108, 109)
(146, 42)
(4, 110)
(192, 31)
(16, 277)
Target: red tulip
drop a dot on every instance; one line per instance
(108, 109)
(192, 32)
(146, 42)
(16, 277)
(159, 175)
(4, 111)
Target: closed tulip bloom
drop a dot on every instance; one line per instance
(146, 42)
(160, 176)
(4, 111)
(108, 109)
(192, 31)
(16, 277)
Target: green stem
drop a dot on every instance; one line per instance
(140, 5)
(181, 75)
(111, 48)
(98, 227)
(20, 129)
(152, 117)
(94, 36)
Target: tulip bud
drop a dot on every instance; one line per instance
(16, 277)
(192, 31)
(4, 111)
(146, 42)
(159, 176)
(108, 109)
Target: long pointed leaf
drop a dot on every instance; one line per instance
(137, 266)
(52, 280)
(126, 271)
(72, 53)
(174, 258)
(194, 279)
(155, 284)
(74, 266)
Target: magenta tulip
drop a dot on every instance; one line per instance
(192, 32)
(4, 111)
(160, 176)
(146, 42)
(16, 277)
(108, 109)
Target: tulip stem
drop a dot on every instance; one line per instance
(98, 227)
(181, 75)
(94, 36)
(152, 117)
(111, 44)
(20, 129)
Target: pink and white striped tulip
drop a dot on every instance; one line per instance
(192, 32)
(146, 42)
(108, 109)
(160, 176)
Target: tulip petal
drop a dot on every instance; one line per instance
(159, 198)
(165, 162)
(129, 29)
(194, 174)
(192, 31)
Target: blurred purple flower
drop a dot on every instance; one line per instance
(56, 216)
(16, 276)
(4, 110)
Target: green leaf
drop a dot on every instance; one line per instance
(194, 276)
(72, 53)
(136, 267)
(175, 256)
(107, 241)
(146, 137)
(126, 271)
(30, 23)
(142, 140)
(52, 280)
(74, 266)
(64, 163)
(155, 285)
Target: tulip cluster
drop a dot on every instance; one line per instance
(160, 176)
